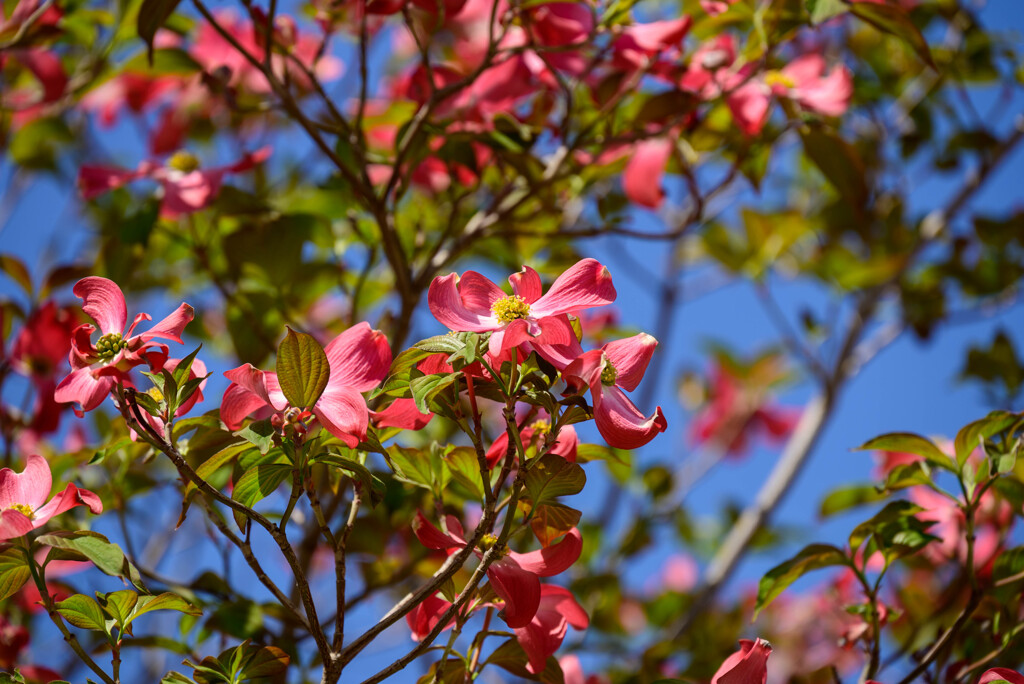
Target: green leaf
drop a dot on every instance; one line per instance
(823, 10)
(260, 434)
(119, 605)
(163, 62)
(895, 530)
(909, 443)
(152, 16)
(426, 387)
(83, 612)
(442, 344)
(550, 521)
(422, 468)
(258, 483)
(971, 435)
(894, 20)
(104, 554)
(264, 661)
(781, 576)
(552, 476)
(908, 475)
(302, 369)
(465, 469)
(17, 271)
(845, 498)
(37, 144)
(14, 572)
(838, 161)
(369, 482)
(164, 601)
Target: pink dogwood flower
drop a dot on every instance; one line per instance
(23, 504)
(187, 187)
(735, 414)
(749, 665)
(359, 359)
(515, 576)
(617, 366)
(534, 433)
(96, 368)
(473, 303)
(544, 634)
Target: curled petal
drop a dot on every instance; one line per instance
(342, 411)
(238, 403)
(586, 284)
(359, 358)
(519, 588)
(641, 179)
(527, 284)
(585, 371)
(430, 536)
(630, 357)
(171, 327)
(554, 559)
(621, 423)
(83, 388)
(560, 355)
(997, 674)
(402, 413)
(30, 487)
(425, 616)
(261, 383)
(448, 307)
(103, 300)
(749, 665)
(71, 496)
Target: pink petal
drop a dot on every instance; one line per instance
(749, 665)
(430, 536)
(630, 358)
(560, 600)
(83, 387)
(561, 23)
(554, 559)
(249, 160)
(560, 355)
(586, 284)
(519, 588)
(93, 181)
(541, 638)
(478, 293)
(30, 487)
(659, 35)
(14, 524)
(621, 423)
(237, 404)
(171, 327)
(359, 358)
(103, 300)
(425, 616)
(46, 67)
(749, 106)
(261, 383)
(188, 193)
(71, 496)
(402, 413)
(527, 284)
(585, 371)
(996, 674)
(342, 411)
(448, 307)
(641, 179)
(805, 69)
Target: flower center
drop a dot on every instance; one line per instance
(183, 161)
(489, 541)
(510, 308)
(23, 509)
(108, 345)
(609, 375)
(541, 427)
(777, 78)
